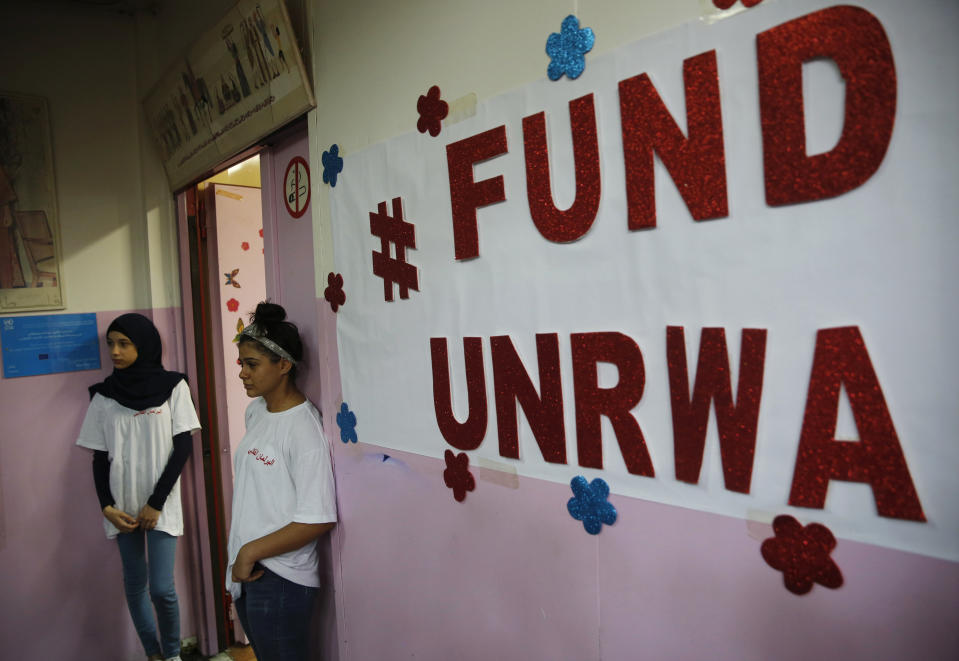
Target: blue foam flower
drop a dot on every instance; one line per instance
(346, 420)
(332, 165)
(567, 49)
(589, 504)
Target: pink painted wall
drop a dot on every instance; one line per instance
(509, 574)
(61, 588)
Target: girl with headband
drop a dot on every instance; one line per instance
(139, 425)
(283, 494)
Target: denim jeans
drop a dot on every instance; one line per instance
(155, 573)
(276, 615)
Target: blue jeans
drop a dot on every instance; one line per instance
(276, 615)
(157, 574)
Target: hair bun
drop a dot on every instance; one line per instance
(268, 313)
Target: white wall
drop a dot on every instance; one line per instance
(373, 58)
(62, 585)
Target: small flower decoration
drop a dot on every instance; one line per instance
(261, 232)
(457, 474)
(589, 504)
(334, 292)
(802, 554)
(332, 165)
(232, 305)
(726, 4)
(432, 110)
(346, 420)
(567, 49)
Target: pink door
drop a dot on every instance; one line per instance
(288, 242)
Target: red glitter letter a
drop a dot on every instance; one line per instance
(856, 41)
(877, 459)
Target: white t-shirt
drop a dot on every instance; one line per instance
(139, 444)
(283, 472)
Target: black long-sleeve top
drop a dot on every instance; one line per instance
(182, 448)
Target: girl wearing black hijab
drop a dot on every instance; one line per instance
(139, 425)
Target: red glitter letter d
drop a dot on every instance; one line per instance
(856, 41)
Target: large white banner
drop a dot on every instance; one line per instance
(834, 277)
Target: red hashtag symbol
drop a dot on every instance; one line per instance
(393, 229)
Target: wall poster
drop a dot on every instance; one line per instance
(241, 80)
(29, 225)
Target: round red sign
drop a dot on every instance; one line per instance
(296, 186)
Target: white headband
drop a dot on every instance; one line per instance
(252, 331)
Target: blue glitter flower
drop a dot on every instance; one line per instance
(332, 165)
(568, 48)
(346, 419)
(589, 504)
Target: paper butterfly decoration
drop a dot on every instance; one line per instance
(231, 278)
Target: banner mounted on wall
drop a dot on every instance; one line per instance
(711, 270)
(240, 81)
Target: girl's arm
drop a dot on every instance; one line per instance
(290, 537)
(182, 448)
(101, 479)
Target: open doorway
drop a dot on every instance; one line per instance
(234, 228)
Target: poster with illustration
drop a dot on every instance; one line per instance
(241, 80)
(29, 227)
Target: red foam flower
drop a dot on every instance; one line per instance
(334, 292)
(232, 305)
(261, 232)
(432, 110)
(726, 4)
(245, 245)
(802, 554)
(457, 474)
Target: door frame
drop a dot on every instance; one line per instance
(212, 477)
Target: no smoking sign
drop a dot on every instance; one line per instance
(296, 186)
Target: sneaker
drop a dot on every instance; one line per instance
(175, 658)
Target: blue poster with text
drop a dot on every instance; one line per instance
(50, 343)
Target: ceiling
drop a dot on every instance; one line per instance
(128, 7)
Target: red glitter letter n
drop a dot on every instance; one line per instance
(697, 164)
(544, 413)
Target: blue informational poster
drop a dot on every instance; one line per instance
(50, 343)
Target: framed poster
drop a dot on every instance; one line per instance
(49, 343)
(238, 82)
(29, 224)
